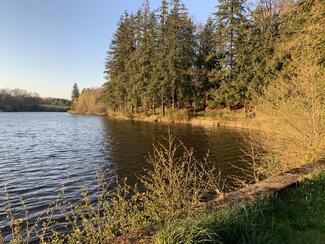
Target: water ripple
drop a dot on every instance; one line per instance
(41, 151)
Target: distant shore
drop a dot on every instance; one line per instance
(38, 108)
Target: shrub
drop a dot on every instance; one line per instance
(88, 103)
(295, 108)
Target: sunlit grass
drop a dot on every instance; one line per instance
(295, 215)
(53, 108)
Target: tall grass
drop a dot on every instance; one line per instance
(294, 216)
(178, 114)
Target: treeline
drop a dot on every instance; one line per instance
(16, 100)
(163, 59)
(55, 101)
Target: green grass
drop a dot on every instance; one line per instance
(295, 215)
(53, 108)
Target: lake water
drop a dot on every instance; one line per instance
(41, 151)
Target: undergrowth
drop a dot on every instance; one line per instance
(296, 215)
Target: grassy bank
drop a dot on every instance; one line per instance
(52, 108)
(209, 118)
(78, 113)
(295, 215)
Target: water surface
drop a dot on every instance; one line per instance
(41, 151)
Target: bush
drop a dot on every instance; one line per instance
(295, 109)
(88, 103)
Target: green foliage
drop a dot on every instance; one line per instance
(53, 108)
(163, 59)
(150, 60)
(118, 64)
(230, 21)
(206, 63)
(75, 92)
(228, 95)
(293, 216)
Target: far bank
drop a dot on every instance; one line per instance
(210, 118)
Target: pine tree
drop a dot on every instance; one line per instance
(75, 92)
(206, 64)
(180, 56)
(160, 80)
(135, 83)
(187, 57)
(144, 56)
(153, 88)
(230, 28)
(230, 17)
(117, 68)
(265, 32)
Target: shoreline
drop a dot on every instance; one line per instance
(207, 122)
(202, 121)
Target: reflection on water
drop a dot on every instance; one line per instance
(41, 151)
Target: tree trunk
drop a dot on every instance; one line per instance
(174, 97)
(154, 107)
(163, 107)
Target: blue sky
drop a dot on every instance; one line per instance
(47, 45)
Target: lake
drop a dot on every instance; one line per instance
(41, 151)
